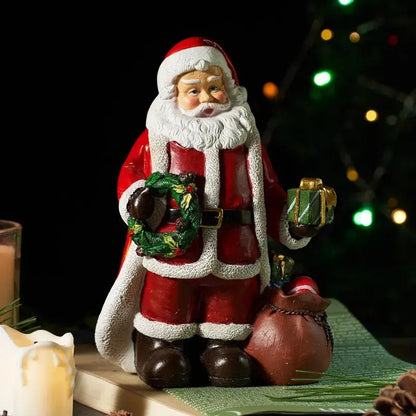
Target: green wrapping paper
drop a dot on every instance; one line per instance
(309, 207)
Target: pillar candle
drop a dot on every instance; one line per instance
(7, 264)
(37, 373)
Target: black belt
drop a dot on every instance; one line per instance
(213, 218)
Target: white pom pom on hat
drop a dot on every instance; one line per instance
(185, 56)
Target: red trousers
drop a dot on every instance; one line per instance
(207, 299)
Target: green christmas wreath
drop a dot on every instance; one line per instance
(173, 243)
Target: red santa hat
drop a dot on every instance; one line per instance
(191, 54)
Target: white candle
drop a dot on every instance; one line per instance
(37, 373)
(7, 262)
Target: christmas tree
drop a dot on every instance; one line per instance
(345, 111)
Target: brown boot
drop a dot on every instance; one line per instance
(161, 364)
(226, 363)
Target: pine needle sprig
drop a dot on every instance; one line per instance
(6, 317)
(343, 389)
(7, 311)
(27, 325)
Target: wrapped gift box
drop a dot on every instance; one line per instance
(311, 203)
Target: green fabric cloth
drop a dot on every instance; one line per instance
(356, 353)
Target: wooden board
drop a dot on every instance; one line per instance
(106, 388)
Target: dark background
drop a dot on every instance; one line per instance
(78, 85)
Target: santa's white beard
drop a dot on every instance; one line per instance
(224, 130)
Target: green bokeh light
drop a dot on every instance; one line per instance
(363, 217)
(345, 2)
(322, 78)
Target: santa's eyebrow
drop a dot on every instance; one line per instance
(191, 81)
(213, 78)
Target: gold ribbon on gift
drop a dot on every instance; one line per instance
(284, 265)
(328, 197)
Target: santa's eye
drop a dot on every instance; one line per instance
(214, 88)
(193, 92)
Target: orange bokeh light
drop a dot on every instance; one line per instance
(270, 90)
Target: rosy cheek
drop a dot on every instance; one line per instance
(189, 102)
(221, 97)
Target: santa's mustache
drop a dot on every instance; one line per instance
(206, 109)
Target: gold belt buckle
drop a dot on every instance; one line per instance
(219, 217)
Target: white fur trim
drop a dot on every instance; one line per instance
(187, 60)
(202, 267)
(122, 203)
(285, 238)
(237, 332)
(255, 165)
(237, 271)
(301, 287)
(114, 325)
(212, 178)
(159, 210)
(171, 332)
(162, 330)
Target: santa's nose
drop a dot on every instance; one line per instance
(205, 97)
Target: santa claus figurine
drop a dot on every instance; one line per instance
(171, 319)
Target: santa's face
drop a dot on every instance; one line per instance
(202, 93)
(223, 121)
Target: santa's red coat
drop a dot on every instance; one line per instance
(237, 244)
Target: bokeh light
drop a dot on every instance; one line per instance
(371, 115)
(352, 174)
(322, 78)
(354, 37)
(392, 40)
(363, 217)
(327, 34)
(270, 90)
(399, 216)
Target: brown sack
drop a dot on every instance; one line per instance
(290, 333)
